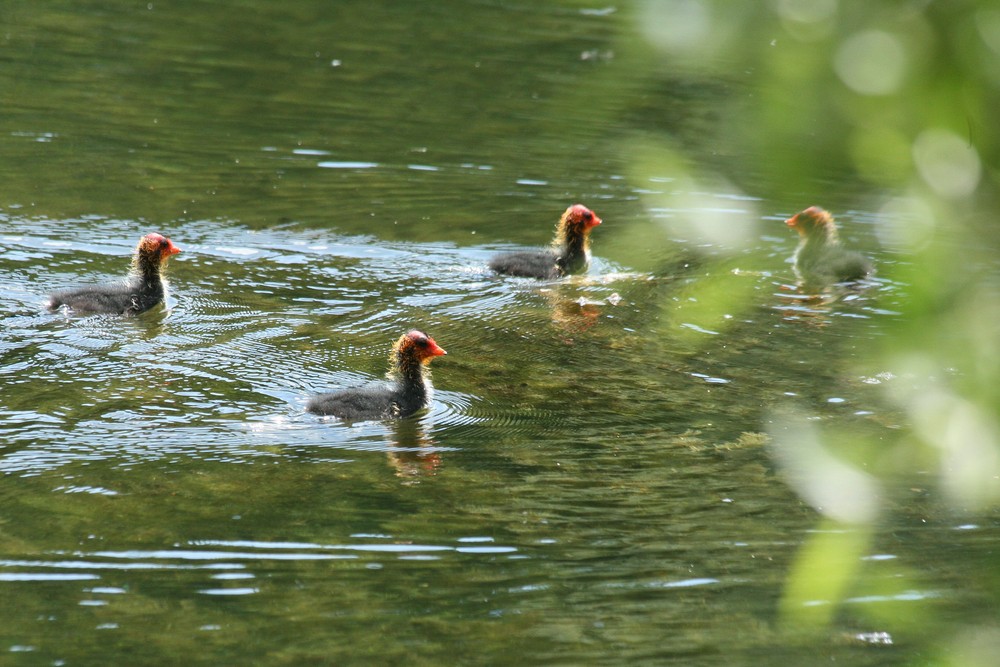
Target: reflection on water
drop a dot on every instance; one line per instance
(858, 301)
(411, 452)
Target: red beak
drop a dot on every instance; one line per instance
(171, 248)
(433, 349)
(594, 221)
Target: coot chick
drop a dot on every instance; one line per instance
(820, 259)
(142, 289)
(407, 390)
(569, 253)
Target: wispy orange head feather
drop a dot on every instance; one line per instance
(812, 220)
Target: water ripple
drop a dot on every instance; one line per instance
(259, 321)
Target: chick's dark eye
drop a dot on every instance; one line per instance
(588, 216)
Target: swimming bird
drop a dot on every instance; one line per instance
(820, 259)
(143, 288)
(568, 254)
(407, 389)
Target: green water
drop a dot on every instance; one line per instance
(596, 481)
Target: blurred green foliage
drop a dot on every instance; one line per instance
(899, 99)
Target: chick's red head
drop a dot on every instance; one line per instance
(579, 215)
(157, 244)
(422, 345)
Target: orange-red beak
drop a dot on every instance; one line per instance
(171, 248)
(594, 221)
(433, 349)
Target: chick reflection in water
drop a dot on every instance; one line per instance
(411, 452)
(577, 315)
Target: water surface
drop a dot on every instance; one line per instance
(593, 483)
